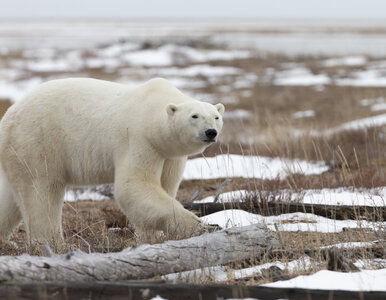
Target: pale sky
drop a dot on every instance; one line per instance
(194, 9)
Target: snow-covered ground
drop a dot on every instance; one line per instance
(227, 166)
(379, 120)
(342, 196)
(365, 280)
(287, 222)
(83, 194)
(359, 124)
(300, 76)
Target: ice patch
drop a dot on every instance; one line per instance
(227, 166)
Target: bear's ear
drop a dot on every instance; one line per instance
(220, 108)
(171, 109)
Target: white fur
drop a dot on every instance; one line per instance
(87, 131)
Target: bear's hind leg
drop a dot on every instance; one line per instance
(42, 212)
(10, 215)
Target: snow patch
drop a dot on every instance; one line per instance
(300, 76)
(238, 114)
(378, 107)
(87, 194)
(356, 197)
(234, 196)
(196, 70)
(15, 91)
(303, 114)
(345, 61)
(173, 54)
(378, 120)
(286, 222)
(226, 166)
(375, 197)
(366, 280)
(349, 245)
(374, 78)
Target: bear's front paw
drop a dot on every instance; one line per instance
(188, 226)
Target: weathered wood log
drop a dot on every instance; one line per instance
(337, 212)
(145, 261)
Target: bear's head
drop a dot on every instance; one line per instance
(196, 124)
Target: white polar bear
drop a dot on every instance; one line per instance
(86, 131)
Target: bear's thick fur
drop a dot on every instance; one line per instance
(82, 131)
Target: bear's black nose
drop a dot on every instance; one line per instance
(211, 133)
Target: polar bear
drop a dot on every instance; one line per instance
(83, 131)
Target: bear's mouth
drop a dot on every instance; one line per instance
(208, 140)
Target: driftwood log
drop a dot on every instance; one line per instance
(337, 212)
(145, 261)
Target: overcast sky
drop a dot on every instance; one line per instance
(194, 9)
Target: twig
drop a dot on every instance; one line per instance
(88, 245)
(279, 235)
(220, 189)
(195, 196)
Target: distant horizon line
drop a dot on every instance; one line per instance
(198, 19)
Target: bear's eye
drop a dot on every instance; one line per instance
(195, 116)
(217, 118)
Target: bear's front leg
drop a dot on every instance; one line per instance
(172, 172)
(147, 205)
